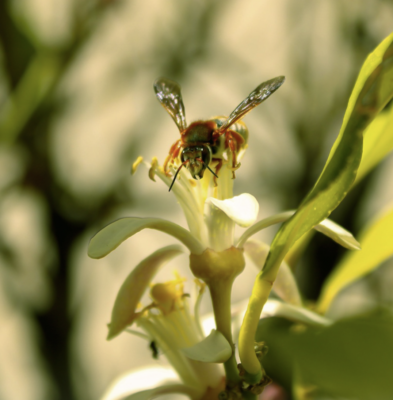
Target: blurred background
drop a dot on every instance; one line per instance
(77, 107)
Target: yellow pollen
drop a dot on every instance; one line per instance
(166, 294)
(193, 182)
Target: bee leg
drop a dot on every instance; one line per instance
(173, 153)
(231, 143)
(218, 167)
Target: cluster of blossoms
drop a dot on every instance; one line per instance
(216, 259)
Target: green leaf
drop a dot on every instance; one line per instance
(213, 349)
(378, 142)
(373, 89)
(133, 288)
(377, 246)
(350, 359)
(110, 237)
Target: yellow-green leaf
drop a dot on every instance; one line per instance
(378, 142)
(377, 246)
(372, 91)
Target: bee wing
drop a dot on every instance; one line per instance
(169, 94)
(257, 96)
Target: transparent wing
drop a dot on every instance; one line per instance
(169, 94)
(257, 96)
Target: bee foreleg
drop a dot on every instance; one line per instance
(173, 153)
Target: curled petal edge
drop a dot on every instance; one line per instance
(242, 209)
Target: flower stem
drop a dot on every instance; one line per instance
(220, 292)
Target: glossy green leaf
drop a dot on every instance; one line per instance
(213, 349)
(377, 246)
(378, 142)
(372, 91)
(350, 359)
(110, 237)
(133, 288)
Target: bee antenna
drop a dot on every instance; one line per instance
(211, 171)
(177, 172)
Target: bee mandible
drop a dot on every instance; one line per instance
(203, 142)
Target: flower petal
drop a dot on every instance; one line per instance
(242, 209)
(110, 237)
(264, 223)
(131, 384)
(276, 308)
(338, 234)
(130, 293)
(163, 390)
(327, 227)
(285, 284)
(213, 349)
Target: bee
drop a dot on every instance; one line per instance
(214, 140)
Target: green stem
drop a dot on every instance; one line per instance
(220, 291)
(259, 296)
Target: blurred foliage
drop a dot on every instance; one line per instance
(350, 358)
(77, 107)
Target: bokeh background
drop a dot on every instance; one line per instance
(76, 109)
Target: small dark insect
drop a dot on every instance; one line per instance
(154, 349)
(203, 142)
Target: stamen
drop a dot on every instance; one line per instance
(136, 164)
(152, 170)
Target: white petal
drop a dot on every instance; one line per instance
(133, 288)
(110, 237)
(241, 209)
(327, 227)
(264, 223)
(213, 349)
(276, 308)
(338, 234)
(150, 394)
(137, 380)
(285, 285)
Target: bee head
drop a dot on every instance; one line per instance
(197, 159)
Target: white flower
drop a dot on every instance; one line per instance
(216, 257)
